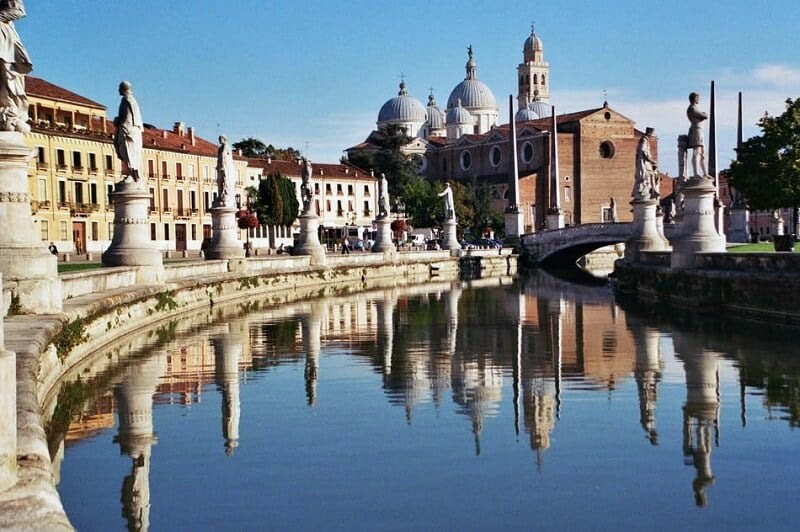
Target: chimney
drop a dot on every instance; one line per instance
(179, 128)
(164, 133)
(269, 160)
(191, 135)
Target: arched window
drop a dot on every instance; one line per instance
(543, 80)
(535, 79)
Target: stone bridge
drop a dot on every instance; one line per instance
(562, 247)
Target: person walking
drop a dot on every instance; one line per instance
(345, 246)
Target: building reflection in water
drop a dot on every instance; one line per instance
(701, 411)
(424, 342)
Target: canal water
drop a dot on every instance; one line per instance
(474, 405)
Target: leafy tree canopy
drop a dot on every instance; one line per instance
(252, 147)
(767, 167)
(276, 202)
(389, 159)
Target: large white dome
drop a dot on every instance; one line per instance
(402, 108)
(473, 93)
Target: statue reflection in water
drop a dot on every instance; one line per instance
(700, 413)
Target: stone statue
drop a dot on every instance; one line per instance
(128, 137)
(645, 185)
(16, 63)
(447, 194)
(383, 197)
(683, 141)
(305, 186)
(226, 171)
(695, 137)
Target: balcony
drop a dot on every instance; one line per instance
(183, 214)
(83, 209)
(41, 165)
(165, 177)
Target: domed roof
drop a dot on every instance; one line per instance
(473, 93)
(458, 115)
(402, 108)
(525, 114)
(436, 116)
(533, 43)
(541, 109)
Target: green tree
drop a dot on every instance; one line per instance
(276, 203)
(767, 167)
(389, 158)
(250, 147)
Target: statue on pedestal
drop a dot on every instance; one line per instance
(694, 139)
(383, 197)
(447, 194)
(128, 137)
(305, 186)
(226, 171)
(645, 185)
(15, 64)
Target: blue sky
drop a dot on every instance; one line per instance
(313, 74)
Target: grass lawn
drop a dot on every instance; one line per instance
(67, 267)
(761, 247)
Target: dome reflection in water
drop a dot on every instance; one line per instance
(467, 405)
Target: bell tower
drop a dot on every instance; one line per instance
(533, 74)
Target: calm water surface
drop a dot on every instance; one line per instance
(528, 403)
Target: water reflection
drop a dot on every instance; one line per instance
(532, 356)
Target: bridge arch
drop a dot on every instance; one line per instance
(563, 247)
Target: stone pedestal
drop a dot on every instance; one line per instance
(131, 244)
(555, 220)
(225, 243)
(383, 240)
(29, 270)
(697, 232)
(738, 224)
(449, 237)
(309, 239)
(645, 235)
(514, 228)
(8, 412)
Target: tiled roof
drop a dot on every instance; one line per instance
(292, 169)
(44, 89)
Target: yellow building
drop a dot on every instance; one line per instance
(75, 167)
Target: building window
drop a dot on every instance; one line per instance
(76, 160)
(78, 193)
(62, 192)
(95, 230)
(43, 229)
(93, 193)
(166, 231)
(316, 188)
(164, 173)
(366, 190)
(567, 194)
(152, 231)
(339, 189)
(42, 190)
(151, 168)
(61, 160)
(63, 231)
(527, 152)
(109, 163)
(179, 170)
(328, 189)
(109, 191)
(165, 200)
(466, 160)
(350, 190)
(40, 155)
(194, 231)
(92, 162)
(607, 149)
(495, 156)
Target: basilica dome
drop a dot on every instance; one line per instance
(402, 109)
(473, 93)
(435, 116)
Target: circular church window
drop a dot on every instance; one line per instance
(466, 160)
(527, 152)
(607, 149)
(495, 155)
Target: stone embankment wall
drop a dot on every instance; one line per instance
(762, 286)
(103, 306)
